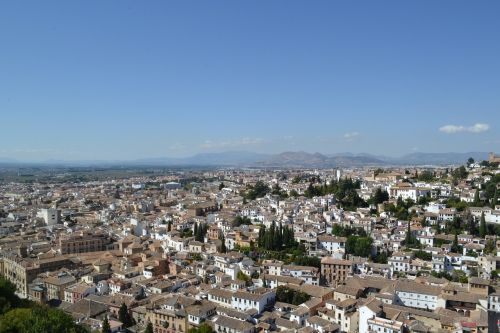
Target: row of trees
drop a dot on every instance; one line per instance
(276, 238)
(307, 261)
(344, 191)
(200, 231)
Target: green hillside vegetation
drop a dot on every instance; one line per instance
(22, 316)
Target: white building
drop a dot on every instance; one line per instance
(407, 191)
(50, 216)
(416, 295)
(494, 302)
(331, 244)
(310, 275)
(243, 300)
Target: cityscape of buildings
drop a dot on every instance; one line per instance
(230, 250)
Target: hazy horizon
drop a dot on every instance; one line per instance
(4, 159)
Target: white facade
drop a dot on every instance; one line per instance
(494, 302)
(416, 299)
(50, 216)
(244, 300)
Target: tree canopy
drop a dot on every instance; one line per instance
(259, 190)
(18, 315)
(291, 296)
(37, 319)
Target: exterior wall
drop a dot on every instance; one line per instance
(364, 314)
(51, 216)
(82, 244)
(165, 321)
(494, 302)
(244, 304)
(335, 273)
(416, 300)
(21, 275)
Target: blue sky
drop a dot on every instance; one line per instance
(133, 79)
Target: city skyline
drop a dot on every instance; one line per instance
(125, 81)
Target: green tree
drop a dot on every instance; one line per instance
(8, 298)
(359, 246)
(258, 191)
(38, 319)
(223, 244)
(291, 296)
(381, 258)
(482, 226)
(149, 328)
(240, 220)
(426, 176)
(105, 325)
(454, 246)
(379, 196)
(470, 161)
(494, 200)
(423, 255)
(204, 328)
(490, 247)
(200, 233)
(477, 200)
(243, 277)
(169, 226)
(411, 240)
(124, 316)
(221, 186)
(308, 261)
(363, 247)
(459, 173)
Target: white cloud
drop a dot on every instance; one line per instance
(209, 144)
(476, 128)
(351, 136)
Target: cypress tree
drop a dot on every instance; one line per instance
(199, 233)
(262, 235)
(280, 237)
(477, 201)
(408, 234)
(105, 325)
(482, 226)
(223, 245)
(205, 230)
(270, 237)
(494, 200)
(124, 316)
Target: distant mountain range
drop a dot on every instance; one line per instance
(285, 159)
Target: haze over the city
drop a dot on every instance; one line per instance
(127, 80)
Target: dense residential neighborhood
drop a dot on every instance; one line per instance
(365, 249)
